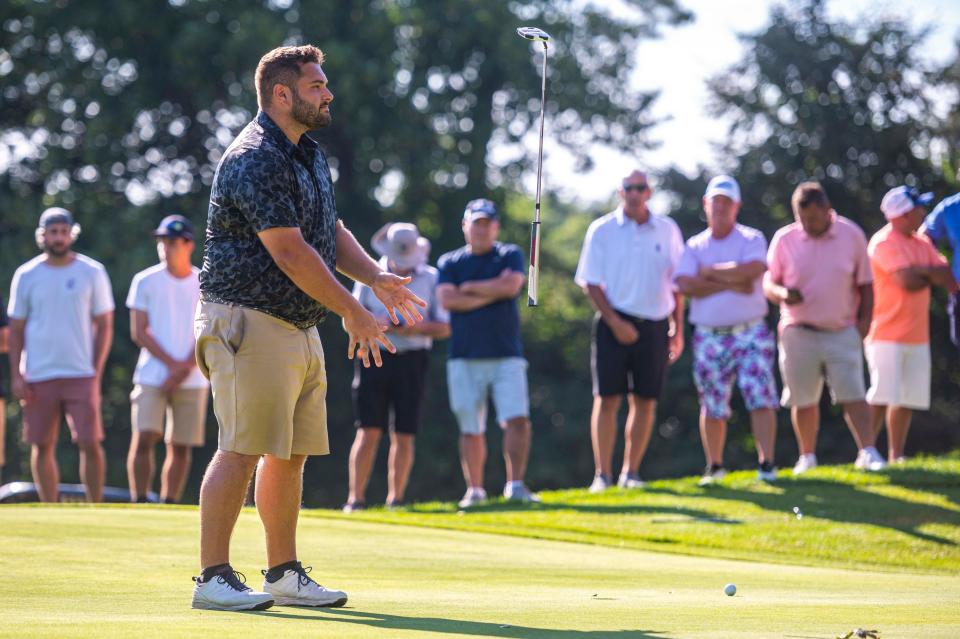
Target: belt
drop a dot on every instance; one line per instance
(817, 329)
(736, 329)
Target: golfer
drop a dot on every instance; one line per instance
(273, 242)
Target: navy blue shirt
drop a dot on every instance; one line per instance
(493, 330)
(265, 181)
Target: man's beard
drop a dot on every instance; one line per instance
(56, 250)
(308, 115)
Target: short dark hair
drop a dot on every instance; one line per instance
(282, 66)
(808, 193)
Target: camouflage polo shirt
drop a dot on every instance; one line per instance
(265, 181)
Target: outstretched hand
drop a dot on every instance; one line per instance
(397, 298)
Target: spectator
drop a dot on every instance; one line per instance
(942, 226)
(169, 398)
(479, 284)
(392, 395)
(819, 274)
(626, 269)
(905, 265)
(721, 270)
(61, 312)
(4, 339)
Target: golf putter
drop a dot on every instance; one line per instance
(533, 281)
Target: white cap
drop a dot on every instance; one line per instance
(402, 244)
(902, 200)
(723, 185)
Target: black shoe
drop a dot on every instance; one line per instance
(354, 506)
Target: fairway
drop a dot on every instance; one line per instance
(125, 571)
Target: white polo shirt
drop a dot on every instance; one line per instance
(634, 263)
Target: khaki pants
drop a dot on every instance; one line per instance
(268, 379)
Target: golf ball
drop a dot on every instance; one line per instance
(729, 590)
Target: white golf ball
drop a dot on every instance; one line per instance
(729, 590)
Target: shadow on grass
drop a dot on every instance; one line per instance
(688, 514)
(841, 502)
(454, 626)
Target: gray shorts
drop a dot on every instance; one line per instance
(471, 381)
(807, 357)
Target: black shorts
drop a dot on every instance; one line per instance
(394, 390)
(639, 368)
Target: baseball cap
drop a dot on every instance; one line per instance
(723, 185)
(55, 215)
(480, 208)
(903, 199)
(174, 226)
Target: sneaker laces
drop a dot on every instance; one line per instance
(303, 579)
(233, 578)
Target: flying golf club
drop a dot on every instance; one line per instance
(536, 35)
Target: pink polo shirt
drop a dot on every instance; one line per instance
(826, 270)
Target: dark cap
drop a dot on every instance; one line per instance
(55, 215)
(480, 208)
(174, 226)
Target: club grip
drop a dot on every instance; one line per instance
(533, 279)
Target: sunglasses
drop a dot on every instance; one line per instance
(639, 188)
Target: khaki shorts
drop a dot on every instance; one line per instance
(899, 375)
(185, 412)
(268, 379)
(808, 356)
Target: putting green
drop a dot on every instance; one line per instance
(125, 572)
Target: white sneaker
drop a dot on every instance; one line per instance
(767, 472)
(805, 463)
(518, 491)
(296, 588)
(899, 461)
(630, 480)
(870, 459)
(473, 497)
(227, 591)
(600, 484)
(712, 474)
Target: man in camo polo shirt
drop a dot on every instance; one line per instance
(273, 243)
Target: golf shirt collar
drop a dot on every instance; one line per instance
(306, 148)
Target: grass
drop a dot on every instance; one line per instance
(871, 550)
(84, 571)
(904, 518)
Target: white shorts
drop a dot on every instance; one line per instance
(471, 381)
(899, 374)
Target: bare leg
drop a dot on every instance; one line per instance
(46, 472)
(362, 455)
(898, 425)
(857, 415)
(763, 422)
(140, 463)
(806, 424)
(174, 474)
(517, 434)
(93, 470)
(399, 465)
(877, 413)
(603, 431)
(713, 434)
(279, 491)
(638, 431)
(473, 456)
(221, 497)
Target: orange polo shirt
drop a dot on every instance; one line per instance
(900, 315)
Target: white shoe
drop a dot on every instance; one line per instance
(712, 474)
(767, 472)
(296, 588)
(473, 497)
(227, 591)
(805, 463)
(600, 484)
(630, 480)
(870, 459)
(900, 461)
(518, 491)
